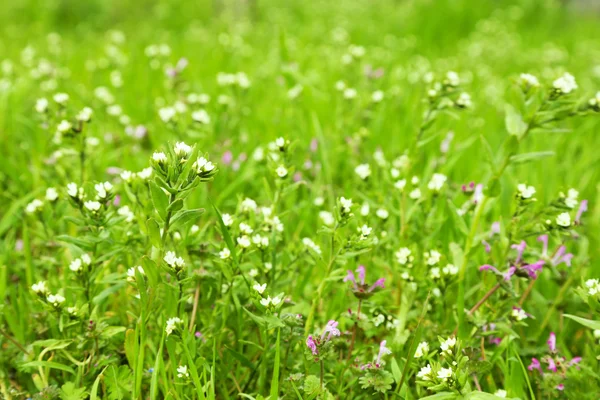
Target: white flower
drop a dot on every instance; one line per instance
(167, 114)
(364, 231)
(350, 93)
(378, 320)
(519, 314)
(501, 393)
(181, 149)
(146, 173)
(365, 209)
(363, 171)
(571, 200)
(115, 110)
(447, 345)
(403, 255)
(400, 184)
(415, 194)
(295, 91)
(422, 349)
(182, 371)
(593, 286)
(436, 182)
(86, 259)
(526, 192)
(464, 100)
(85, 115)
(452, 79)
(340, 85)
(39, 288)
(565, 84)
(201, 116)
(61, 98)
(172, 324)
(55, 299)
(127, 213)
(64, 126)
(131, 273)
(102, 189)
(260, 288)
(227, 219)
(75, 265)
(248, 205)
(41, 105)
(260, 241)
(450, 269)
(346, 205)
(425, 373)
(51, 194)
(173, 261)
(203, 165)
(281, 171)
(34, 206)
(225, 253)
(377, 96)
(327, 218)
(382, 213)
(563, 219)
(444, 373)
(244, 241)
(159, 157)
(311, 245)
(529, 80)
(92, 205)
(318, 201)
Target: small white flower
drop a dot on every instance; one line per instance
(182, 371)
(127, 213)
(365, 209)
(85, 115)
(159, 157)
(529, 80)
(565, 84)
(202, 165)
(450, 269)
(225, 253)
(201, 116)
(327, 218)
(448, 345)
(444, 374)
(145, 174)
(281, 171)
(75, 265)
(346, 205)
(519, 314)
(86, 259)
(173, 261)
(260, 288)
(172, 325)
(403, 255)
(64, 126)
(593, 286)
(311, 245)
(93, 206)
(571, 200)
(131, 273)
(248, 205)
(437, 182)
(61, 98)
(464, 100)
(526, 192)
(501, 393)
(452, 79)
(55, 299)
(34, 206)
(432, 257)
(227, 219)
(377, 96)
(400, 184)
(350, 93)
(382, 213)
(422, 349)
(41, 105)
(363, 171)
(102, 189)
(181, 149)
(51, 194)
(245, 228)
(167, 114)
(39, 288)
(563, 219)
(425, 373)
(364, 231)
(244, 241)
(415, 194)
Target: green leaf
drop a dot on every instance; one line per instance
(130, 346)
(483, 396)
(154, 232)
(68, 391)
(514, 122)
(175, 206)
(94, 391)
(585, 322)
(159, 199)
(50, 364)
(184, 217)
(526, 157)
(441, 396)
(396, 370)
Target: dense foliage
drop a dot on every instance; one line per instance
(303, 200)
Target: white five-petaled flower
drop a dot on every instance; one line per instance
(593, 287)
(159, 157)
(425, 373)
(271, 301)
(422, 349)
(571, 199)
(346, 205)
(93, 206)
(102, 189)
(452, 79)
(464, 100)
(55, 299)
(64, 126)
(281, 171)
(445, 374)
(437, 182)
(131, 272)
(404, 255)
(182, 371)
(201, 116)
(563, 219)
(382, 213)
(519, 314)
(364, 231)
(181, 149)
(311, 245)
(529, 81)
(34, 206)
(172, 325)
(167, 114)
(363, 171)
(432, 257)
(526, 192)
(225, 253)
(415, 194)
(51, 194)
(61, 98)
(39, 288)
(565, 84)
(448, 345)
(327, 218)
(203, 165)
(260, 288)
(41, 105)
(227, 219)
(400, 185)
(85, 115)
(173, 261)
(244, 241)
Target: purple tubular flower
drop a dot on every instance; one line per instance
(380, 283)
(350, 278)
(310, 343)
(488, 247)
(583, 207)
(314, 145)
(552, 342)
(361, 274)
(544, 240)
(533, 268)
(574, 361)
(551, 364)
(520, 249)
(535, 364)
(478, 194)
(495, 229)
(382, 352)
(507, 275)
(227, 157)
(332, 329)
(560, 386)
(561, 257)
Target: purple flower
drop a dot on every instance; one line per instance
(544, 240)
(379, 283)
(560, 386)
(520, 249)
(551, 364)
(533, 268)
(574, 361)
(495, 229)
(478, 194)
(297, 176)
(227, 157)
(507, 275)
(382, 352)
(488, 247)
(361, 274)
(314, 145)
(331, 328)
(552, 342)
(561, 257)
(350, 278)
(583, 207)
(117, 200)
(310, 343)
(535, 364)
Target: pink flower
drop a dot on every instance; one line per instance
(361, 274)
(560, 386)
(507, 275)
(583, 207)
(330, 328)
(495, 229)
(382, 352)
(310, 343)
(297, 176)
(535, 364)
(552, 342)
(227, 157)
(520, 249)
(488, 247)
(314, 145)
(544, 240)
(551, 364)
(379, 283)
(533, 268)
(350, 278)
(561, 257)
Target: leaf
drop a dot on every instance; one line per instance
(396, 370)
(184, 217)
(159, 199)
(50, 364)
(441, 396)
(154, 232)
(94, 391)
(526, 157)
(130, 346)
(585, 322)
(482, 396)
(175, 206)
(68, 391)
(514, 122)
